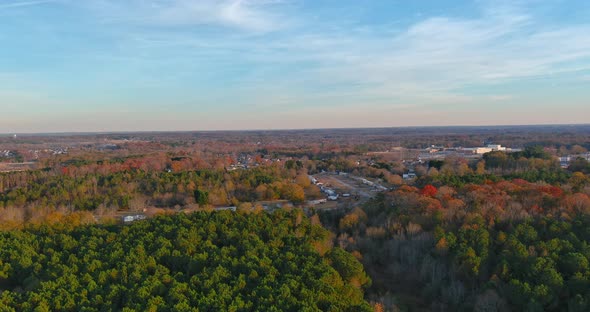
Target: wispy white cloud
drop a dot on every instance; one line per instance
(252, 15)
(443, 55)
(15, 4)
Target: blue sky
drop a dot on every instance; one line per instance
(118, 65)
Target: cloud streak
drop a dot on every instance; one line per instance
(255, 16)
(17, 4)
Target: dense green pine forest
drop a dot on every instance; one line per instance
(221, 261)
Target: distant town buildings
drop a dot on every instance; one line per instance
(565, 161)
(440, 152)
(487, 149)
(246, 161)
(409, 176)
(7, 153)
(132, 218)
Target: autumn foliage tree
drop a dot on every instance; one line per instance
(429, 190)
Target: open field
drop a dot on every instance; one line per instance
(347, 184)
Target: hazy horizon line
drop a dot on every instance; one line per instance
(288, 129)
